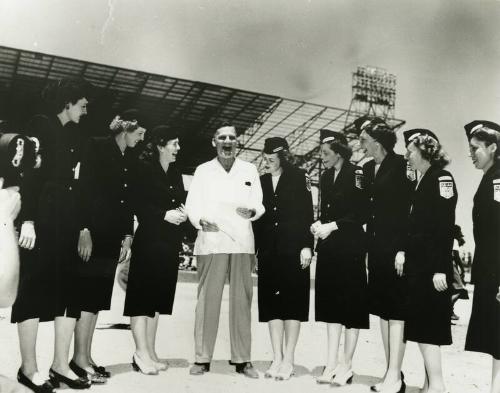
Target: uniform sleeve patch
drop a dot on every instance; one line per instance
(446, 187)
(496, 190)
(410, 173)
(359, 179)
(445, 178)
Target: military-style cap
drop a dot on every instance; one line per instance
(162, 134)
(365, 122)
(131, 115)
(476, 125)
(275, 144)
(326, 135)
(410, 135)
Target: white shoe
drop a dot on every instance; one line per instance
(327, 376)
(285, 372)
(343, 377)
(272, 370)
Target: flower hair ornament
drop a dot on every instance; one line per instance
(118, 124)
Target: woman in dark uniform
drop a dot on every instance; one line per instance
(390, 190)
(340, 272)
(483, 334)
(428, 253)
(159, 205)
(106, 228)
(47, 288)
(284, 244)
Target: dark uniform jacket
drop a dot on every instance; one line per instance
(105, 204)
(430, 231)
(390, 192)
(345, 202)
(156, 192)
(486, 226)
(285, 226)
(55, 184)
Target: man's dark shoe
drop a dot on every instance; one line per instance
(199, 368)
(247, 370)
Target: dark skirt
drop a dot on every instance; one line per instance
(152, 278)
(388, 292)
(483, 334)
(341, 290)
(49, 287)
(95, 283)
(428, 320)
(283, 288)
(62, 250)
(37, 293)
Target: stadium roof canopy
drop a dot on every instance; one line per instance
(194, 108)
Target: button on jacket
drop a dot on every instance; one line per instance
(486, 227)
(105, 197)
(214, 194)
(284, 227)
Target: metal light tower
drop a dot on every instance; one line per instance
(373, 92)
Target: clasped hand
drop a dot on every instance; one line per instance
(323, 230)
(176, 216)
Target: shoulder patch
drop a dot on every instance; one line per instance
(308, 182)
(410, 173)
(446, 187)
(359, 178)
(496, 190)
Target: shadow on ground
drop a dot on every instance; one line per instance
(121, 368)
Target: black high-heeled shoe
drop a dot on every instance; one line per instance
(56, 379)
(46, 387)
(94, 378)
(101, 371)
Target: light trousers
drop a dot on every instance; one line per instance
(212, 272)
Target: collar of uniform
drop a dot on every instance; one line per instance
(494, 168)
(432, 169)
(387, 160)
(115, 148)
(216, 165)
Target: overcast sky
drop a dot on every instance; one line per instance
(445, 54)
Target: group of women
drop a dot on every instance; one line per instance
(77, 223)
(408, 206)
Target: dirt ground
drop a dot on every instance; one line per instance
(464, 372)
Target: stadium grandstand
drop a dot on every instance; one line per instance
(195, 108)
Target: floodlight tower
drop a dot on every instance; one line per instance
(373, 92)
